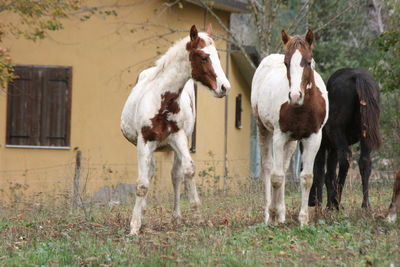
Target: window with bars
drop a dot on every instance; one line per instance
(39, 106)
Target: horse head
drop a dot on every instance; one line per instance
(205, 64)
(299, 65)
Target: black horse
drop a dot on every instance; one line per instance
(354, 111)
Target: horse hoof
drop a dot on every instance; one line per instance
(365, 206)
(134, 232)
(176, 220)
(391, 218)
(303, 224)
(198, 219)
(136, 224)
(266, 219)
(303, 219)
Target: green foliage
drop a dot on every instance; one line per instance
(6, 69)
(340, 39)
(386, 67)
(35, 18)
(390, 128)
(350, 42)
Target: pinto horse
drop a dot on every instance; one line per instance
(290, 104)
(159, 113)
(395, 204)
(353, 117)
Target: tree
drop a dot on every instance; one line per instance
(34, 20)
(269, 17)
(386, 46)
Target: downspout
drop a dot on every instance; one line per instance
(228, 52)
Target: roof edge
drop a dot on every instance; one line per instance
(231, 6)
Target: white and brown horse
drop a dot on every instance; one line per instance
(289, 102)
(160, 113)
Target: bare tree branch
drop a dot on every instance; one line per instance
(4, 7)
(228, 31)
(255, 6)
(333, 19)
(299, 17)
(96, 8)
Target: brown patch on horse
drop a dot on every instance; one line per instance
(161, 126)
(395, 204)
(306, 119)
(202, 69)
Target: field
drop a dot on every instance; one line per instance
(232, 234)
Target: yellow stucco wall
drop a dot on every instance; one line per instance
(106, 54)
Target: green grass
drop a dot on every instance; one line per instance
(232, 234)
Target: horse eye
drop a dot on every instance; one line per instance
(309, 63)
(204, 59)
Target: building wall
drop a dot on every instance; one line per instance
(106, 54)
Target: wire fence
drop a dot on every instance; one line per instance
(103, 180)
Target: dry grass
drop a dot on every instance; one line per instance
(231, 234)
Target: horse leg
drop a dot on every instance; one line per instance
(179, 143)
(151, 175)
(280, 207)
(265, 140)
(145, 173)
(315, 198)
(176, 176)
(344, 156)
(311, 146)
(278, 176)
(395, 204)
(331, 179)
(364, 164)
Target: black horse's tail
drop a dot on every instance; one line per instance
(369, 96)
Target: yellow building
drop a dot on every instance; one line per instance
(81, 77)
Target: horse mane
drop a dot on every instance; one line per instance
(172, 53)
(175, 53)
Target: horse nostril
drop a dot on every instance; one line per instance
(289, 96)
(223, 89)
(301, 94)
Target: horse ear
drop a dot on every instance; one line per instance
(285, 37)
(193, 33)
(309, 37)
(209, 30)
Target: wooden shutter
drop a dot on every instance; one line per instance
(55, 108)
(22, 108)
(39, 106)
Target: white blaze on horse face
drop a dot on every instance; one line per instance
(223, 85)
(296, 73)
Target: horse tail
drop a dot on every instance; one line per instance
(369, 100)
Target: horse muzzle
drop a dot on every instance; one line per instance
(296, 98)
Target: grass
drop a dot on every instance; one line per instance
(232, 234)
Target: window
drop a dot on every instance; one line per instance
(39, 106)
(238, 112)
